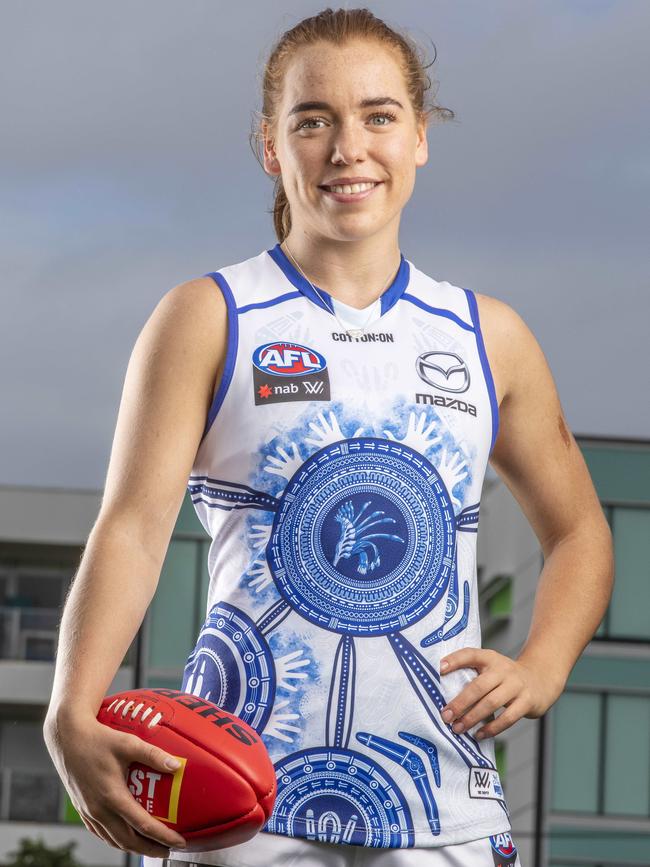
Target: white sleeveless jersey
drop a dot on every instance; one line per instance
(340, 481)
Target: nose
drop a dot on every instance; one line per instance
(349, 143)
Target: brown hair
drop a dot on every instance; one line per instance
(337, 26)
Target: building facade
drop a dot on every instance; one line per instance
(577, 781)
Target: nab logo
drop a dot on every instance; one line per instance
(288, 359)
(284, 371)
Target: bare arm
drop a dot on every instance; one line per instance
(542, 465)
(540, 462)
(167, 392)
(165, 401)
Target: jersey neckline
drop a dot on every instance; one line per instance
(388, 297)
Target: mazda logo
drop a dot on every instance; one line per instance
(444, 370)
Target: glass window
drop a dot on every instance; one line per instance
(33, 797)
(629, 609)
(171, 624)
(601, 754)
(41, 591)
(576, 737)
(627, 758)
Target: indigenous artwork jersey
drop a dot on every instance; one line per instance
(340, 480)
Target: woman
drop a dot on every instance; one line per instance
(334, 409)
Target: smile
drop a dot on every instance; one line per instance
(350, 193)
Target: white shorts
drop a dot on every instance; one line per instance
(278, 850)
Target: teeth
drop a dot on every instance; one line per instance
(352, 188)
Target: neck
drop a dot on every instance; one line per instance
(354, 272)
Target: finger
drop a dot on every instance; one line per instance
(134, 749)
(137, 818)
(467, 657)
(474, 692)
(100, 821)
(95, 829)
(510, 715)
(125, 837)
(130, 748)
(494, 700)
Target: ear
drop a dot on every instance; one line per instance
(422, 146)
(271, 162)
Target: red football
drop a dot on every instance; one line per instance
(225, 788)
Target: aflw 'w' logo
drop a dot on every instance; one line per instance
(482, 779)
(313, 387)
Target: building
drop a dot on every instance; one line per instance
(577, 781)
(42, 534)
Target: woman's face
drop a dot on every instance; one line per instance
(341, 138)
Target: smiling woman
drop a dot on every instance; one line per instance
(331, 410)
(383, 108)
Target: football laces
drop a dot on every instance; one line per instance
(116, 705)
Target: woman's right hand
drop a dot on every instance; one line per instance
(92, 760)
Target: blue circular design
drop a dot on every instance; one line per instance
(339, 796)
(363, 541)
(232, 665)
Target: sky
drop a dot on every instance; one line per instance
(125, 169)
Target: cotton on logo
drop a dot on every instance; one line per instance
(288, 359)
(140, 779)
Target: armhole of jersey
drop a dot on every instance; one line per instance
(485, 364)
(231, 348)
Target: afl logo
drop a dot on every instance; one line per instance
(444, 370)
(288, 359)
(503, 847)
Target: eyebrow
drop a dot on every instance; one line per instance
(365, 103)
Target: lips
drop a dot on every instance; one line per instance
(347, 184)
(349, 197)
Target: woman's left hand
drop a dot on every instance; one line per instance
(501, 682)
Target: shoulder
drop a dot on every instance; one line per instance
(185, 335)
(509, 342)
(195, 296)
(193, 309)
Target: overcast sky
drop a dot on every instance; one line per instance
(125, 169)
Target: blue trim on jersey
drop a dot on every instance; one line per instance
(473, 309)
(294, 276)
(388, 297)
(439, 311)
(256, 304)
(231, 347)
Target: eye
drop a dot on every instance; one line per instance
(308, 120)
(388, 114)
(384, 114)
